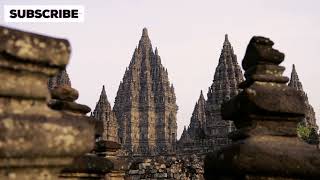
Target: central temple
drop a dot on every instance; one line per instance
(145, 105)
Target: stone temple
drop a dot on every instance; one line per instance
(103, 112)
(145, 104)
(310, 117)
(207, 129)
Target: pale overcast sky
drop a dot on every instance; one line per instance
(189, 36)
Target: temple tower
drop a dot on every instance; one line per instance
(103, 112)
(310, 117)
(227, 77)
(145, 105)
(198, 119)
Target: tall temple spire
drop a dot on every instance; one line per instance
(227, 77)
(145, 101)
(207, 129)
(310, 117)
(294, 80)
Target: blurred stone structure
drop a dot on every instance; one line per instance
(310, 118)
(145, 105)
(101, 162)
(265, 144)
(207, 131)
(36, 142)
(64, 96)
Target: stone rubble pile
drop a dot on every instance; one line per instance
(167, 168)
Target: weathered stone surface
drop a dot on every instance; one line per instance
(35, 141)
(34, 48)
(271, 156)
(267, 98)
(69, 106)
(145, 105)
(64, 96)
(65, 93)
(185, 168)
(89, 164)
(23, 131)
(103, 146)
(22, 84)
(260, 51)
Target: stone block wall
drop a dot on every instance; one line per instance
(184, 168)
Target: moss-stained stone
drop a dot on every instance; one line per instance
(35, 48)
(36, 142)
(23, 84)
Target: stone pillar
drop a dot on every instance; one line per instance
(35, 141)
(266, 114)
(109, 150)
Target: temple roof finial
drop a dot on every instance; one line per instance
(201, 96)
(226, 40)
(156, 51)
(144, 42)
(103, 89)
(145, 32)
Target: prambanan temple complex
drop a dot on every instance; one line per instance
(252, 124)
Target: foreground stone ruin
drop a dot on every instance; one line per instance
(35, 141)
(266, 114)
(46, 135)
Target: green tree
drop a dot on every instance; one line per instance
(303, 131)
(308, 134)
(313, 137)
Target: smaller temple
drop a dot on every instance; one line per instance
(207, 130)
(227, 77)
(103, 112)
(310, 117)
(185, 137)
(62, 78)
(198, 119)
